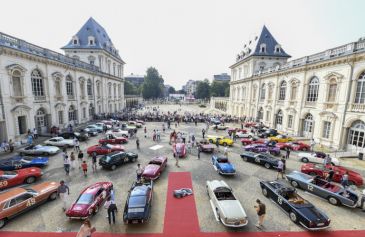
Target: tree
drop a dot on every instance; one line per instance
(152, 87)
(130, 89)
(203, 90)
(181, 92)
(218, 89)
(171, 90)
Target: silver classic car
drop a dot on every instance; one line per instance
(226, 208)
(334, 193)
(39, 150)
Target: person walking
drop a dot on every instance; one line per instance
(193, 140)
(312, 144)
(63, 191)
(35, 133)
(72, 160)
(11, 145)
(287, 154)
(139, 172)
(137, 143)
(93, 161)
(203, 133)
(84, 168)
(261, 212)
(280, 169)
(175, 155)
(225, 151)
(217, 144)
(199, 150)
(345, 180)
(329, 175)
(80, 158)
(328, 160)
(86, 229)
(66, 164)
(145, 132)
(284, 164)
(111, 207)
(76, 144)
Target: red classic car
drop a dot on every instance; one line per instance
(237, 130)
(249, 124)
(21, 176)
(154, 168)
(321, 170)
(90, 200)
(253, 140)
(140, 121)
(206, 146)
(180, 150)
(295, 146)
(112, 139)
(104, 149)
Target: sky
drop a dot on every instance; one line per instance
(187, 39)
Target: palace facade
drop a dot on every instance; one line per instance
(321, 96)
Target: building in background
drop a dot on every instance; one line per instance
(136, 80)
(190, 87)
(223, 77)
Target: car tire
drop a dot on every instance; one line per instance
(113, 167)
(264, 192)
(244, 158)
(294, 184)
(304, 160)
(293, 217)
(267, 166)
(3, 222)
(334, 201)
(30, 180)
(134, 159)
(53, 196)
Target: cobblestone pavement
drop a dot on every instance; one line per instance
(50, 217)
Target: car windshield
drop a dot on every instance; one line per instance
(86, 198)
(77, 134)
(10, 173)
(108, 158)
(109, 146)
(37, 147)
(136, 201)
(29, 190)
(25, 160)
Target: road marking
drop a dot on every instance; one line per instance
(156, 147)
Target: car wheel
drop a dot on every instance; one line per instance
(267, 166)
(293, 217)
(210, 140)
(113, 167)
(53, 196)
(30, 180)
(134, 159)
(312, 173)
(334, 201)
(264, 192)
(2, 223)
(224, 143)
(294, 183)
(244, 158)
(305, 160)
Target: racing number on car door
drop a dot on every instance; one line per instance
(3, 184)
(310, 187)
(30, 202)
(17, 166)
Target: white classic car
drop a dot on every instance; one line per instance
(226, 208)
(60, 141)
(220, 126)
(244, 135)
(118, 132)
(316, 157)
(134, 123)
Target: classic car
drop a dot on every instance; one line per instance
(154, 168)
(94, 127)
(92, 132)
(90, 200)
(81, 136)
(260, 148)
(322, 171)
(299, 210)
(59, 141)
(222, 165)
(294, 146)
(118, 132)
(39, 150)
(140, 121)
(19, 200)
(281, 138)
(127, 127)
(225, 141)
(268, 133)
(316, 157)
(226, 208)
(205, 146)
(104, 149)
(334, 193)
(104, 125)
(244, 135)
(260, 158)
(20, 162)
(114, 159)
(11, 178)
(135, 123)
(215, 121)
(236, 130)
(112, 139)
(180, 150)
(220, 126)
(183, 192)
(252, 140)
(137, 208)
(249, 124)
(110, 122)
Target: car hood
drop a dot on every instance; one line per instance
(29, 171)
(311, 213)
(232, 209)
(49, 148)
(226, 166)
(40, 160)
(151, 169)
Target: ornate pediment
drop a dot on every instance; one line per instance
(21, 107)
(328, 114)
(60, 105)
(16, 67)
(294, 81)
(57, 75)
(291, 110)
(334, 75)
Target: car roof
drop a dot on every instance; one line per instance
(115, 153)
(159, 158)
(139, 190)
(94, 187)
(11, 193)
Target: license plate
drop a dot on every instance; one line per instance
(320, 224)
(134, 221)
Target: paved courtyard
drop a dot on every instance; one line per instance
(50, 217)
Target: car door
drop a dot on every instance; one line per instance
(5, 182)
(312, 188)
(16, 164)
(122, 158)
(282, 202)
(258, 159)
(25, 202)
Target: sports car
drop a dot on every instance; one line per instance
(127, 127)
(281, 138)
(112, 139)
(118, 132)
(114, 159)
(104, 125)
(223, 166)
(316, 157)
(104, 149)
(262, 148)
(334, 193)
(237, 130)
(19, 200)
(154, 168)
(81, 136)
(134, 123)
(268, 133)
(94, 127)
(249, 124)
(183, 192)
(260, 158)
(90, 200)
(252, 140)
(92, 132)
(322, 171)
(295, 146)
(39, 150)
(140, 121)
(226, 208)
(220, 126)
(137, 208)
(180, 150)
(299, 210)
(19, 162)
(244, 135)
(225, 141)
(11, 178)
(60, 141)
(205, 146)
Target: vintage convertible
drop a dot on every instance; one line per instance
(225, 141)
(252, 140)
(299, 210)
(260, 158)
(262, 148)
(205, 146)
(118, 132)
(103, 149)
(226, 208)
(60, 142)
(316, 157)
(19, 162)
(112, 139)
(137, 208)
(334, 193)
(294, 146)
(114, 159)
(39, 150)
(90, 200)
(154, 168)
(223, 166)
(281, 138)
(11, 178)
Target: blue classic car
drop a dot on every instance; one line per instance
(334, 193)
(262, 148)
(19, 162)
(223, 166)
(299, 210)
(138, 206)
(261, 159)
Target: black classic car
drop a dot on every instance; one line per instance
(138, 206)
(260, 158)
(114, 159)
(299, 210)
(81, 136)
(268, 133)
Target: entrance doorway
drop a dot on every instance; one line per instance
(22, 125)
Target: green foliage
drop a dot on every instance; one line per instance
(219, 89)
(171, 90)
(181, 92)
(203, 90)
(153, 87)
(130, 89)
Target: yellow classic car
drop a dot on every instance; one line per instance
(225, 141)
(281, 138)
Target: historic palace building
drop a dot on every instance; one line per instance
(321, 96)
(40, 88)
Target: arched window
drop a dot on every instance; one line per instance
(260, 114)
(98, 89)
(294, 91)
(71, 113)
(110, 89)
(254, 93)
(37, 83)
(313, 88)
(91, 110)
(89, 88)
(57, 84)
(120, 90)
(17, 83)
(357, 134)
(282, 90)
(263, 92)
(115, 90)
(269, 96)
(332, 89)
(69, 87)
(360, 89)
(40, 119)
(82, 88)
(308, 125)
(279, 119)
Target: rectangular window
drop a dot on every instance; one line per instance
(69, 88)
(332, 93)
(83, 112)
(60, 117)
(290, 121)
(326, 129)
(293, 95)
